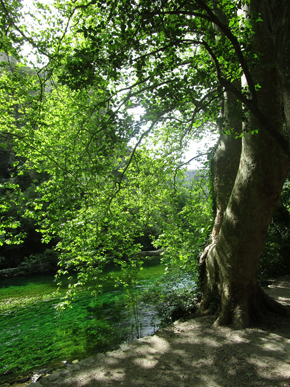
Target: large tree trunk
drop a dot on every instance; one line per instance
(247, 186)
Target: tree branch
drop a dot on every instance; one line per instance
(152, 253)
(118, 183)
(250, 104)
(232, 38)
(181, 165)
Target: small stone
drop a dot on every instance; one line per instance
(125, 347)
(75, 367)
(54, 376)
(84, 363)
(89, 361)
(75, 361)
(110, 353)
(35, 378)
(65, 372)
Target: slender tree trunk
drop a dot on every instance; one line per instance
(248, 185)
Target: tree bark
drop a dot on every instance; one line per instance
(247, 186)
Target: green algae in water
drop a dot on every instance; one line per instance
(38, 334)
(34, 333)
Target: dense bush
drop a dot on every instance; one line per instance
(276, 251)
(41, 263)
(18, 235)
(173, 298)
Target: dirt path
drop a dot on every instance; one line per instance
(194, 354)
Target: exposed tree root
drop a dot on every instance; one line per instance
(273, 305)
(241, 313)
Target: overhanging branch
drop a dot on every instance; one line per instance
(249, 103)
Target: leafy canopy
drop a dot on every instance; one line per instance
(111, 175)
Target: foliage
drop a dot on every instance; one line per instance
(110, 176)
(275, 256)
(41, 263)
(10, 16)
(184, 229)
(173, 297)
(98, 198)
(273, 261)
(102, 192)
(18, 236)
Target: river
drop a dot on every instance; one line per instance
(34, 334)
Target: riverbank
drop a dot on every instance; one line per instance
(192, 353)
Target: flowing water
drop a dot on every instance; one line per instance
(34, 334)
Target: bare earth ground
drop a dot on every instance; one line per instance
(193, 353)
